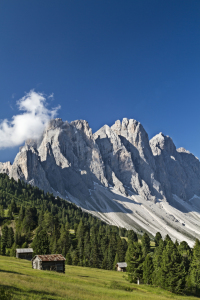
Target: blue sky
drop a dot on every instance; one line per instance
(105, 60)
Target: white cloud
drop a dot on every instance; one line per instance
(28, 124)
(51, 96)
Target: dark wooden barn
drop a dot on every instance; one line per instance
(24, 253)
(52, 262)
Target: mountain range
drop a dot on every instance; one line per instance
(117, 174)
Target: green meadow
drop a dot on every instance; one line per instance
(77, 283)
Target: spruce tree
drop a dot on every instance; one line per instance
(68, 259)
(132, 236)
(4, 239)
(115, 261)
(10, 238)
(87, 249)
(134, 259)
(176, 243)
(104, 264)
(94, 255)
(41, 243)
(104, 244)
(125, 245)
(194, 275)
(110, 259)
(80, 237)
(173, 273)
(167, 239)
(120, 251)
(148, 269)
(64, 240)
(157, 258)
(145, 244)
(186, 253)
(75, 258)
(157, 239)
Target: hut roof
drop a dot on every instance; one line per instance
(122, 265)
(24, 250)
(50, 257)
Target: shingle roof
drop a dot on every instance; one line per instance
(122, 265)
(24, 250)
(50, 257)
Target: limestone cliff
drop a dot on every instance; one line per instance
(117, 174)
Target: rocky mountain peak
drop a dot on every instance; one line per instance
(182, 150)
(116, 173)
(58, 122)
(161, 142)
(83, 126)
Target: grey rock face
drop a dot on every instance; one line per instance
(177, 170)
(126, 153)
(117, 174)
(5, 167)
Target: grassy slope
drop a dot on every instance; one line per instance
(76, 283)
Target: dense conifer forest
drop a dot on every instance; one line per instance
(31, 218)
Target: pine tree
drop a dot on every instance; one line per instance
(176, 243)
(10, 238)
(80, 237)
(173, 273)
(194, 276)
(87, 249)
(104, 264)
(157, 239)
(104, 244)
(148, 269)
(13, 250)
(41, 218)
(64, 240)
(132, 236)
(167, 239)
(120, 251)
(41, 243)
(125, 245)
(4, 239)
(75, 258)
(115, 261)
(186, 253)
(30, 218)
(145, 244)
(94, 256)
(68, 259)
(134, 259)
(25, 245)
(110, 259)
(157, 258)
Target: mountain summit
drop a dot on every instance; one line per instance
(116, 174)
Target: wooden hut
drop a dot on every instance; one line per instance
(24, 253)
(121, 266)
(52, 262)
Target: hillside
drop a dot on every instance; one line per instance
(77, 283)
(52, 225)
(117, 174)
(31, 218)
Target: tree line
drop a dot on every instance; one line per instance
(31, 218)
(171, 266)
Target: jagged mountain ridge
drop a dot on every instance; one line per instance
(116, 174)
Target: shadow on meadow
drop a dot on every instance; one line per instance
(8, 292)
(12, 272)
